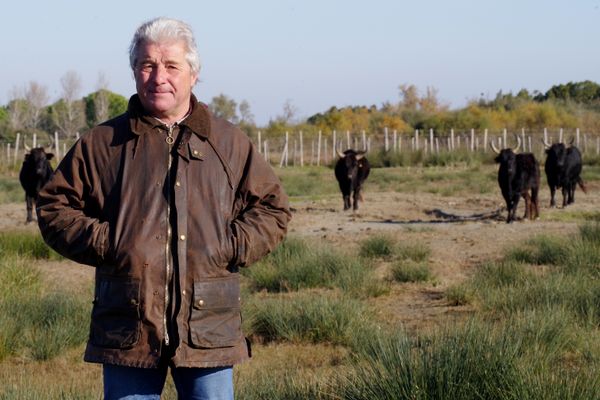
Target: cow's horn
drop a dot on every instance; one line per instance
(571, 141)
(494, 147)
(27, 147)
(548, 145)
(518, 144)
(360, 154)
(340, 154)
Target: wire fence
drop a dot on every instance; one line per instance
(295, 149)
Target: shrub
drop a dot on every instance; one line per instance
(297, 264)
(26, 244)
(311, 317)
(380, 245)
(410, 271)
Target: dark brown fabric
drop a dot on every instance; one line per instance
(108, 206)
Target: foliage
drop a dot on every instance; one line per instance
(306, 317)
(410, 271)
(298, 264)
(117, 105)
(25, 244)
(33, 322)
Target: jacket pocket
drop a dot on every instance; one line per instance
(116, 321)
(215, 319)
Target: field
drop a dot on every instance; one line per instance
(423, 293)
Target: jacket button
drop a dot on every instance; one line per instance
(182, 237)
(177, 183)
(183, 293)
(200, 303)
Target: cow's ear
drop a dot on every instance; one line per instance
(49, 156)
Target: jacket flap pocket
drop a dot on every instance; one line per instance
(216, 320)
(217, 293)
(116, 313)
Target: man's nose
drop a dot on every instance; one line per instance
(159, 73)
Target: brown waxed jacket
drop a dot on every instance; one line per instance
(108, 205)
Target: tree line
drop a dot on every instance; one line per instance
(569, 106)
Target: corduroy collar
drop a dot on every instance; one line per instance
(198, 121)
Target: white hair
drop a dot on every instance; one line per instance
(161, 29)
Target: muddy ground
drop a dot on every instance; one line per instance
(461, 232)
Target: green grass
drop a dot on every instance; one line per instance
(313, 317)
(379, 245)
(410, 271)
(26, 244)
(36, 323)
(11, 191)
(299, 264)
(478, 361)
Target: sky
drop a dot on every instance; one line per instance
(313, 54)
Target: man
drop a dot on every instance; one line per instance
(167, 202)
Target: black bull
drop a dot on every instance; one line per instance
(35, 172)
(351, 171)
(563, 170)
(518, 176)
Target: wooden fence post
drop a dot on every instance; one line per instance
(301, 150)
(258, 143)
(17, 142)
(56, 146)
(386, 143)
(333, 146)
(319, 150)
(431, 141)
(348, 140)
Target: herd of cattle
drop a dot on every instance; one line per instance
(518, 176)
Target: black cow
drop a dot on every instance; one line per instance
(563, 170)
(35, 172)
(351, 170)
(518, 176)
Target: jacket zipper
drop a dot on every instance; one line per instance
(170, 140)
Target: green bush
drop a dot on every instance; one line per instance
(410, 271)
(35, 323)
(417, 252)
(11, 192)
(379, 245)
(298, 264)
(26, 244)
(313, 317)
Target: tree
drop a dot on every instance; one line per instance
(101, 102)
(224, 107)
(117, 105)
(36, 98)
(68, 112)
(17, 109)
(409, 96)
(246, 115)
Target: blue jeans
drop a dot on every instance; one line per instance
(129, 383)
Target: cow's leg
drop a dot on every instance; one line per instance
(356, 198)
(571, 199)
(513, 209)
(552, 193)
(565, 194)
(527, 198)
(534, 204)
(346, 201)
(29, 201)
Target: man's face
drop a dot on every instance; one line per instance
(164, 79)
